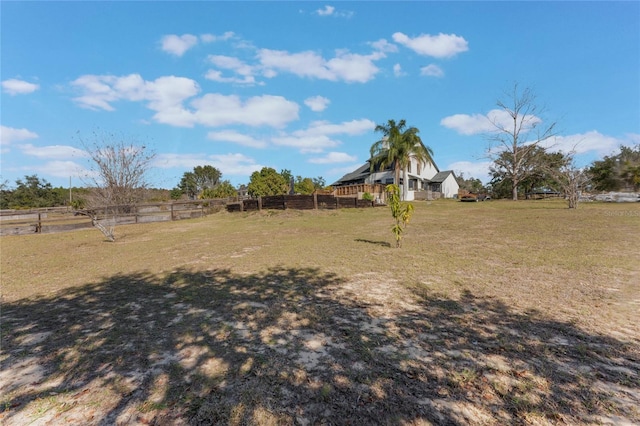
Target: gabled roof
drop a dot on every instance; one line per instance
(441, 176)
(358, 174)
(364, 171)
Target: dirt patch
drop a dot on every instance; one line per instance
(299, 346)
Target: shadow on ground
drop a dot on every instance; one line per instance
(377, 243)
(283, 347)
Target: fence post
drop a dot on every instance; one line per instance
(39, 226)
(172, 210)
(315, 200)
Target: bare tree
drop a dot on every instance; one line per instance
(518, 130)
(118, 174)
(571, 179)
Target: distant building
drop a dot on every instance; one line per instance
(425, 181)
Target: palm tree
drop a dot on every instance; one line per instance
(396, 148)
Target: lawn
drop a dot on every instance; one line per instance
(490, 313)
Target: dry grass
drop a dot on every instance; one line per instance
(491, 313)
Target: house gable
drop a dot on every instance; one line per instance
(421, 177)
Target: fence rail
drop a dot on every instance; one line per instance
(22, 222)
(298, 202)
(64, 219)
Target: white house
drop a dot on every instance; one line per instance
(425, 181)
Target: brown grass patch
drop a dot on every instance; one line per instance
(491, 313)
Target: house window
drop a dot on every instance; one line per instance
(409, 167)
(388, 181)
(435, 187)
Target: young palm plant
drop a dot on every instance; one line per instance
(401, 212)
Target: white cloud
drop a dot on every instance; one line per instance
(345, 66)
(9, 135)
(333, 157)
(228, 164)
(467, 124)
(215, 75)
(432, 70)
(316, 138)
(234, 64)
(383, 45)
(63, 169)
(231, 63)
(97, 92)
(178, 45)
(184, 161)
(235, 164)
(18, 87)
(353, 127)
(397, 70)
(317, 103)
(438, 46)
(592, 141)
(235, 137)
(166, 96)
(209, 38)
(331, 11)
(306, 143)
(326, 11)
(478, 170)
(57, 152)
(478, 123)
(266, 110)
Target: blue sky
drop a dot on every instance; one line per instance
(301, 85)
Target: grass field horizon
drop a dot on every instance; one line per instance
(490, 313)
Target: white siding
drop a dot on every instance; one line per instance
(449, 187)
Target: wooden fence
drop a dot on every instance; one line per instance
(64, 219)
(21, 222)
(298, 202)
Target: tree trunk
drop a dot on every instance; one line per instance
(405, 184)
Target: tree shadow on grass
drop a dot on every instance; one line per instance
(378, 243)
(282, 347)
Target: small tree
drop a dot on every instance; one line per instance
(571, 179)
(223, 190)
(119, 169)
(200, 179)
(267, 182)
(303, 186)
(470, 184)
(400, 211)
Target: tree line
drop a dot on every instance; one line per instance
(205, 182)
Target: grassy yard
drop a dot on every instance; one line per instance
(490, 313)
